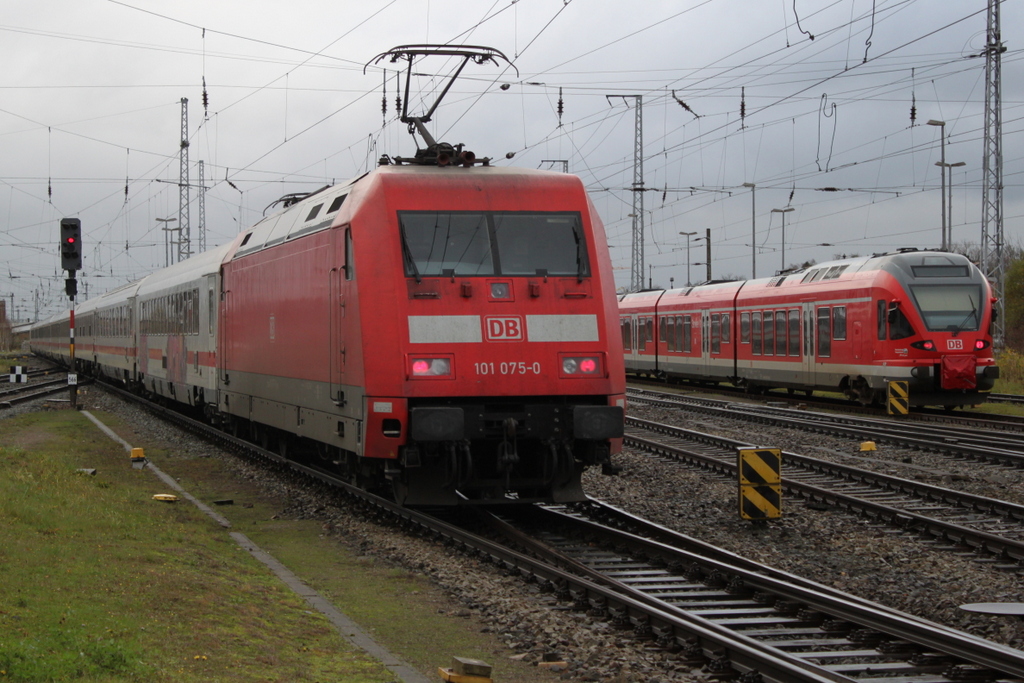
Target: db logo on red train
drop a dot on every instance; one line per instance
(955, 344)
(504, 329)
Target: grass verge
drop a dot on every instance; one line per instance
(102, 583)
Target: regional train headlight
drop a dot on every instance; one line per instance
(430, 367)
(582, 366)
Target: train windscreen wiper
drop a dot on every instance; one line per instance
(973, 313)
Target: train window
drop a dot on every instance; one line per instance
(818, 274)
(436, 242)
(627, 336)
(641, 335)
(769, 333)
(726, 328)
(350, 262)
(839, 322)
(314, 211)
(948, 307)
(670, 333)
(810, 275)
(716, 333)
(899, 326)
(824, 332)
(834, 272)
(662, 329)
(478, 243)
(336, 204)
(881, 319)
(650, 329)
(745, 328)
(687, 335)
(780, 333)
(940, 271)
(756, 334)
(794, 333)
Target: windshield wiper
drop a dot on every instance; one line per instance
(963, 323)
(407, 252)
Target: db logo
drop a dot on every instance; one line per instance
(955, 344)
(504, 329)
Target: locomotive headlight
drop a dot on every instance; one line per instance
(431, 367)
(981, 344)
(927, 345)
(582, 366)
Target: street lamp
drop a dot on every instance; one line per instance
(949, 211)
(942, 162)
(783, 212)
(167, 238)
(753, 231)
(688, 235)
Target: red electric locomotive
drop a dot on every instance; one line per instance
(849, 326)
(450, 329)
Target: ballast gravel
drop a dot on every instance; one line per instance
(828, 546)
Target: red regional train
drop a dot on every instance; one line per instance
(847, 326)
(447, 331)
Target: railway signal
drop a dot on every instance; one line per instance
(71, 244)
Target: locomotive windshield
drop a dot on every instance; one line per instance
(949, 308)
(449, 243)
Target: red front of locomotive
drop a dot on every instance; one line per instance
(490, 346)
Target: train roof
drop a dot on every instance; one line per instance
(200, 265)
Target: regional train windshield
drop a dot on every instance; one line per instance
(949, 308)
(465, 243)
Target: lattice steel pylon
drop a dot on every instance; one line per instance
(184, 231)
(636, 275)
(992, 257)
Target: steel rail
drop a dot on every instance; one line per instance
(663, 547)
(949, 444)
(724, 463)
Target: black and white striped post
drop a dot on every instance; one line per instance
(71, 261)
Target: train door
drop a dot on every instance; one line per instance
(809, 359)
(341, 277)
(705, 341)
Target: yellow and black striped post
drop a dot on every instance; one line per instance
(899, 397)
(760, 479)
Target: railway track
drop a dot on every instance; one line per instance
(23, 393)
(985, 528)
(979, 420)
(1003, 448)
(732, 616)
(784, 627)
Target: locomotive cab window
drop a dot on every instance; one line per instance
(950, 308)
(493, 243)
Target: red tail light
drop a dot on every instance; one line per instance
(927, 345)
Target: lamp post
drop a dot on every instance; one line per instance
(942, 162)
(783, 212)
(688, 235)
(753, 231)
(167, 237)
(948, 234)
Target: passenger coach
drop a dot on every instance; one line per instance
(849, 326)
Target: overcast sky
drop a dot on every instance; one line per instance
(90, 104)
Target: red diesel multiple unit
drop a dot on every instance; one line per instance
(849, 326)
(451, 331)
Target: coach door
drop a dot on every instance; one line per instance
(809, 349)
(705, 341)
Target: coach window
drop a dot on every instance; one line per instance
(670, 333)
(679, 333)
(756, 334)
(687, 335)
(624, 328)
(662, 329)
(780, 333)
(726, 328)
(769, 333)
(839, 322)
(824, 332)
(716, 333)
(794, 333)
(745, 328)
(641, 335)
(881, 319)
(650, 329)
